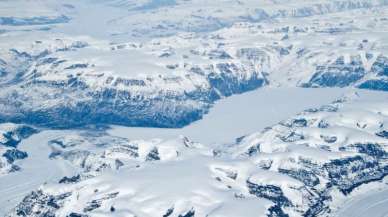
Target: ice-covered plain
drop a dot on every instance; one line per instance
(191, 108)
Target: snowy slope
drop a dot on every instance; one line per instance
(102, 62)
(307, 165)
(249, 112)
(240, 110)
(10, 136)
(78, 65)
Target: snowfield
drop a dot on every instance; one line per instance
(34, 170)
(238, 115)
(306, 165)
(216, 124)
(368, 203)
(169, 72)
(191, 108)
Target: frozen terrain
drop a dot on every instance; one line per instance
(36, 170)
(368, 204)
(306, 165)
(215, 128)
(238, 115)
(101, 62)
(191, 108)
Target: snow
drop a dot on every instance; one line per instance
(372, 203)
(37, 169)
(127, 58)
(239, 115)
(156, 45)
(188, 176)
(191, 178)
(248, 112)
(122, 63)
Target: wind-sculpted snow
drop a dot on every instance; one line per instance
(299, 167)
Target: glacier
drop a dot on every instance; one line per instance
(306, 165)
(172, 80)
(192, 108)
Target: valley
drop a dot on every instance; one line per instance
(191, 108)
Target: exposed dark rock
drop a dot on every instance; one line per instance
(153, 155)
(270, 192)
(72, 179)
(276, 211)
(291, 137)
(190, 213)
(303, 175)
(338, 74)
(14, 154)
(39, 204)
(375, 85)
(73, 214)
(380, 66)
(253, 150)
(349, 173)
(329, 139)
(383, 134)
(169, 212)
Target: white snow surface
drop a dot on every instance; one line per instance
(37, 169)
(186, 176)
(202, 167)
(239, 115)
(255, 35)
(249, 112)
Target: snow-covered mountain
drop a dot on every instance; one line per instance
(70, 69)
(304, 166)
(87, 78)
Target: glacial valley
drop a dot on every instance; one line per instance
(193, 108)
